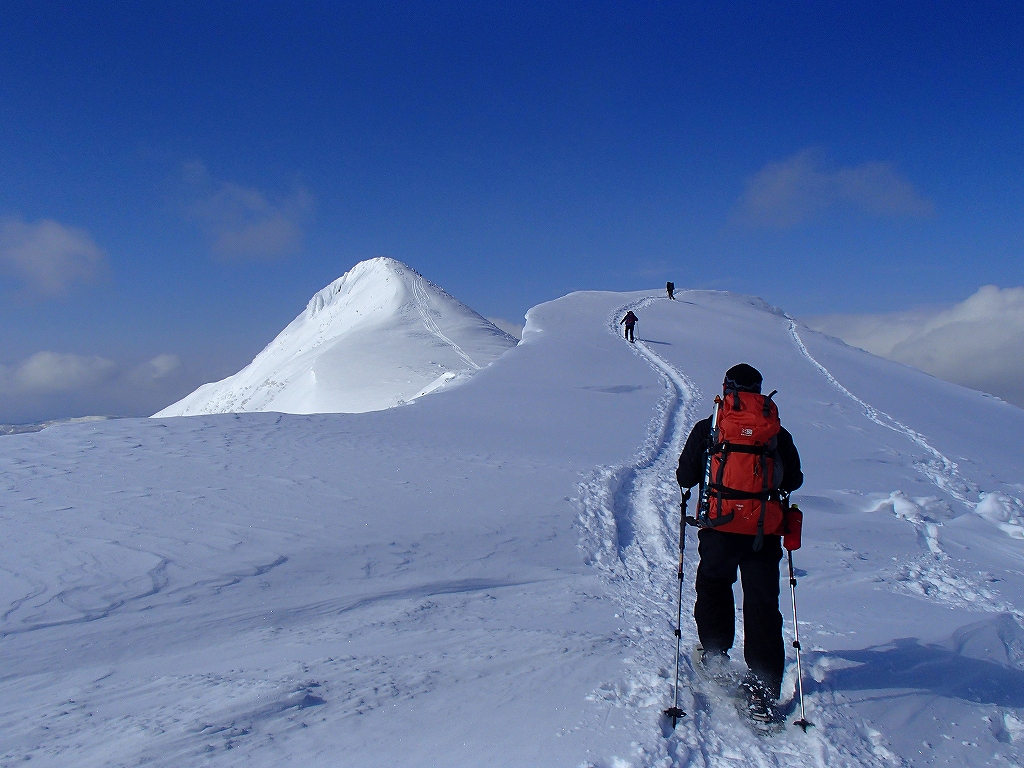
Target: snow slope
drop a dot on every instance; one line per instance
(378, 336)
(487, 576)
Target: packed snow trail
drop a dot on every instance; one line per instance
(630, 519)
(634, 514)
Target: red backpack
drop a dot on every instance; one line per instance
(745, 468)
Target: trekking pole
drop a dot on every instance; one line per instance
(792, 541)
(674, 711)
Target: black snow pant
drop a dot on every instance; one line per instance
(720, 555)
(629, 332)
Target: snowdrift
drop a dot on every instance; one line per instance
(488, 576)
(379, 336)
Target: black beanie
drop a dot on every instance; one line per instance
(743, 378)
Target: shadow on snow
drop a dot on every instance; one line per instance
(981, 663)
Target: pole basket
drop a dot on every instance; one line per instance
(675, 714)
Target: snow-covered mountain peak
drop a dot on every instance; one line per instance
(378, 336)
(381, 278)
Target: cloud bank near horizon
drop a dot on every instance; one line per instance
(49, 385)
(978, 343)
(47, 372)
(785, 194)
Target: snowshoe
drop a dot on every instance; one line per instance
(756, 705)
(715, 667)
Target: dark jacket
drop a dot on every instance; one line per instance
(695, 455)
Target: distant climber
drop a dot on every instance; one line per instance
(752, 465)
(629, 320)
(671, 288)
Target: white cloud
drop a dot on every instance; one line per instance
(49, 257)
(49, 372)
(784, 194)
(978, 343)
(158, 368)
(243, 222)
(46, 372)
(51, 385)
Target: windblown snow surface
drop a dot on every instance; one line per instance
(378, 336)
(486, 577)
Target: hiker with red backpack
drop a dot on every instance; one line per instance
(746, 466)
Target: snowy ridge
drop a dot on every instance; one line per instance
(379, 336)
(489, 578)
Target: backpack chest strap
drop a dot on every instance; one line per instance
(757, 450)
(731, 494)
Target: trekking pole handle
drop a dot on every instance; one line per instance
(682, 529)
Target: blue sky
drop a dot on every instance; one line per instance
(178, 179)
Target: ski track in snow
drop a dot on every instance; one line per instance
(938, 469)
(420, 294)
(629, 519)
(930, 576)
